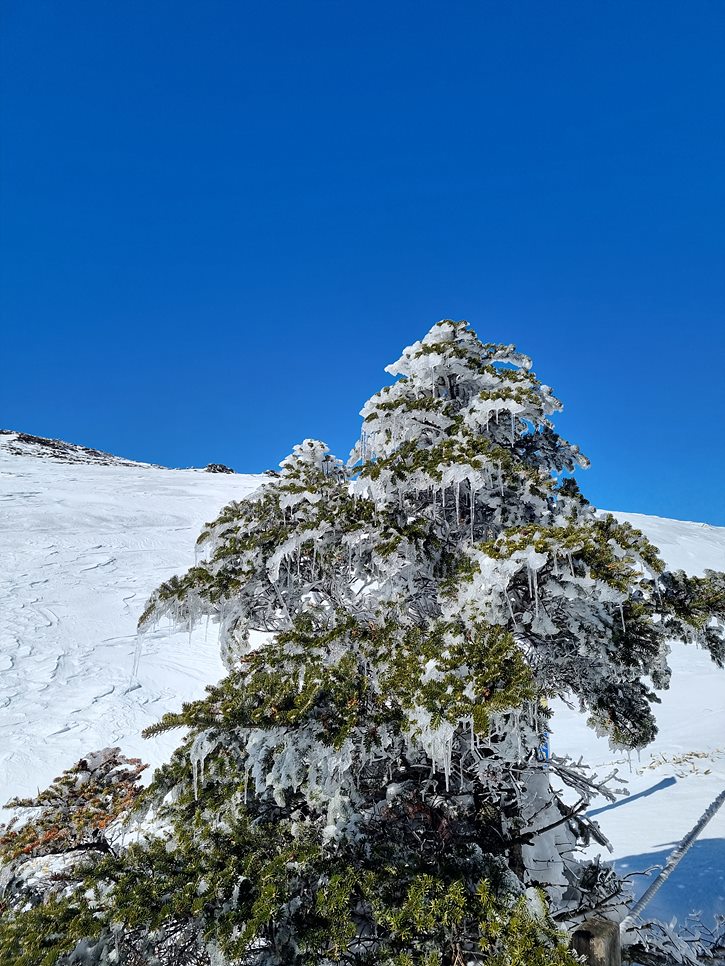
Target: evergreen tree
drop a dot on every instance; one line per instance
(366, 785)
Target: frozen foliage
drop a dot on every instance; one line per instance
(66, 827)
(654, 943)
(367, 784)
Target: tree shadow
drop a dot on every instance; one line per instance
(665, 783)
(696, 885)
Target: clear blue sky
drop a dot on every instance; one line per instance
(221, 220)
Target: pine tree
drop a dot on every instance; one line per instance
(366, 784)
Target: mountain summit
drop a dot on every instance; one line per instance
(23, 444)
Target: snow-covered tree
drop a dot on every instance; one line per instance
(367, 783)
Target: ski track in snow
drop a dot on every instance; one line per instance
(82, 547)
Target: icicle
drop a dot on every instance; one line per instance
(201, 747)
(473, 510)
(513, 429)
(136, 658)
(621, 614)
(458, 503)
(511, 609)
(206, 629)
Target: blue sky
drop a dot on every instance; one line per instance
(221, 220)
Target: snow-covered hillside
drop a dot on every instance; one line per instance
(83, 543)
(85, 538)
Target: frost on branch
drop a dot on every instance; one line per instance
(367, 783)
(64, 828)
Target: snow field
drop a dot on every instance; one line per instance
(81, 549)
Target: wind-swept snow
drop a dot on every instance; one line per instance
(83, 544)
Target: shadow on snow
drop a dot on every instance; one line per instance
(696, 885)
(660, 786)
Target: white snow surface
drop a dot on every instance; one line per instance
(83, 545)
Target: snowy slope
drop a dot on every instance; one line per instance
(85, 538)
(83, 543)
(674, 780)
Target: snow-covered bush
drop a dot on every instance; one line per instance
(71, 822)
(57, 838)
(368, 784)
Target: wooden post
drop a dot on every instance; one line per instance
(598, 941)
